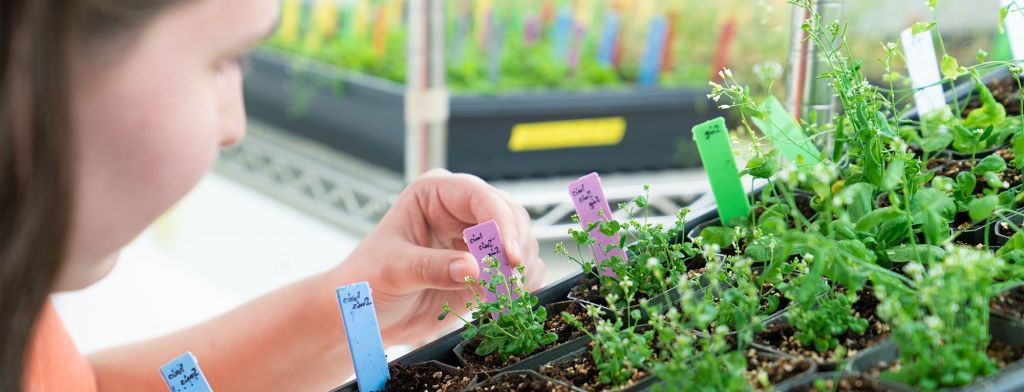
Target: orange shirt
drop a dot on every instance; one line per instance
(54, 363)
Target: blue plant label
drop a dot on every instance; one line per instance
(363, 333)
(562, 33)
(609, 35)
(650, 63)
(183, 375)
(923, 67)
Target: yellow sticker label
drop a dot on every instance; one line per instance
(567, 134)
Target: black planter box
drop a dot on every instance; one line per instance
(442, 349)
(364, 116)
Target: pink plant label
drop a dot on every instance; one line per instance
(592, 206)
(484, 240)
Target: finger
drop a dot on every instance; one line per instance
(535, 275)
(472, 201)
(527, 244)
(428, 268)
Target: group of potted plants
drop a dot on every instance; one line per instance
(496, 46)
(892, 262)
(335, 72)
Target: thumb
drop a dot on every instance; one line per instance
(444, 269)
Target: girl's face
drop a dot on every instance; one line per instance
(149, 117)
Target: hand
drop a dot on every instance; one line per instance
(416, 260)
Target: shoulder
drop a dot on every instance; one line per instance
(54, 363)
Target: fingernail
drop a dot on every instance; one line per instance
(457, 270)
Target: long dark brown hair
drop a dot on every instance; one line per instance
(38, 38)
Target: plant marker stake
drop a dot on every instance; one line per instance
(1014, 26)
(291, 12)
(380, 33)
(725, 39)
(578, 38)
(481, 11)
(667, 60)
(532, 30)
(496, 34)
(650, 64)
(919, 50)
(585, 12)
(712, 140)
(462, 29)
(561, 33)
(183, 375)
(363, 333)
(609, 34)
(362, 19)
(592, 206)
(786, 135)
(484, 240)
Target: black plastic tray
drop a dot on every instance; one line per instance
(364, 116)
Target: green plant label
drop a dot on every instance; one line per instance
(1014, 26)
(484, 240)
(183, 375)
(712, 140)
(923, 67)
(786, 135)
(363, 334)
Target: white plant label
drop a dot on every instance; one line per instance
(923, 68)
(1014, 25)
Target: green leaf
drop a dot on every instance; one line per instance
(950, 67)
(488, 346)
(981, 209)
(1016, 242)
(875, 218)
(921, 27)
(930, 199)
(935, 228)
(893, 174)
(982, 54)
(763, 166)
(720, 235)
(873, 162)
(966, 182)
(1018, 150)
(1003, 11)
(991, 111)
(921, 253)
(470, 332)
(862, 199)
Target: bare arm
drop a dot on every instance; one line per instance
(291, 339)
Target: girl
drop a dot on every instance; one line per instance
(111, 111)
